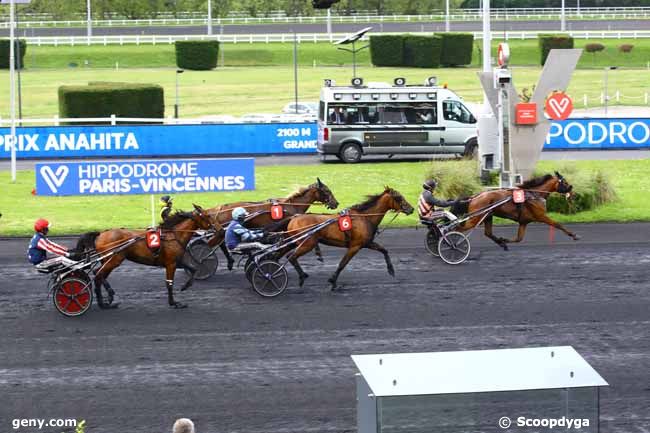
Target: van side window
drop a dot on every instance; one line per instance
(455, 111)
(337, 115)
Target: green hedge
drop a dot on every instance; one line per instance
(456, 48)
(549, 42)
(4, 53)
(422, 51)
(102, 99)
(197, 55)
(387, 50)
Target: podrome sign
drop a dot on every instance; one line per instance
(145, 177)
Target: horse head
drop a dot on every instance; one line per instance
(398, 202)
(203, 219)
(325, 195)
(562, 186)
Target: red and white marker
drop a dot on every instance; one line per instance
(559, 106)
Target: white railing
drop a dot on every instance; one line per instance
(288, 37)
(456, 15)
(114, 120)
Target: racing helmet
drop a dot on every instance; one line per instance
(41, 225)
(165, 200)
(430, 184)
(239, 213)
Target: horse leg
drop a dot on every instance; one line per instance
(110, 294)
(521, 232)
(352, 251)
(226, 253)
(303, 249)
(170, 270)
(376, 247)
(101, 278)
(319, 254)
(192, 270)
(546, 220)
(487, 225)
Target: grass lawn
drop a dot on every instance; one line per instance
(78, 214)
(241, 90)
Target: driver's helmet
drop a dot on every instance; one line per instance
(239, 213)
(165, 201)
(41, 225)
(430, 184)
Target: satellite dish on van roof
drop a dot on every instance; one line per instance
(353, 37)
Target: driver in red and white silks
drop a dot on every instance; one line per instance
(40, 245)
(427, 204)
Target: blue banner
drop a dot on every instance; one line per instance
(145, 177)
(622, 133)
(160, 140)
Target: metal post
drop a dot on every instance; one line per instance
(578, 8)
(329, 25)
(487, 39)
(606, 96)
(447, 24)
(20, 64)
(209, 17)
(562, 18)
(295, 69)
(178, 72)
(89, 20)
(354, 61)
(12, 87)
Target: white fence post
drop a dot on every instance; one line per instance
(113, 122)
(584, 100)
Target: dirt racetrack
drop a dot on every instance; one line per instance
(234, 362)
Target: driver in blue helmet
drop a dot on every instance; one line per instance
(238, 237)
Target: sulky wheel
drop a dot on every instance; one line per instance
(431, 242)
(203, 258)
(454, 248)
(73, 296)
(249, 268)
(269, 279)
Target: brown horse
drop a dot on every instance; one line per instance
(177, 230)
(533, 209)
(297, 203)
(366, 218)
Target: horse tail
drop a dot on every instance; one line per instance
(86, 241)
(461, 206)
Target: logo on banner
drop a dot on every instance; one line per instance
(559, 106)
(54, 178)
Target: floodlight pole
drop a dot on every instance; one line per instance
(329, 24)
(209, 17)
(89, 20)
(562, 18)
(447, 24)
(12, 87)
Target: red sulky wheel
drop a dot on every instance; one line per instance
(73, 296)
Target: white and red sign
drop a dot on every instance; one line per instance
(503, 54)
(153, 239)
(518, 195)
(558, 106)
(526, 113)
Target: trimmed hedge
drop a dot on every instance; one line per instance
(197, 55)
(387, 50)
(102, 99)
(4, 53)
(422, 51)
(549, 42)
(456, 48)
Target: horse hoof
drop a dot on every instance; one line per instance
(391, 272)
(301, 280)
(505, 247)
(107, 306)
(178, 305)
(576, 237)
(230, 265)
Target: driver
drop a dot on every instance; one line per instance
(166, 204)
(427, 203)
(40, 245)
(238, 237)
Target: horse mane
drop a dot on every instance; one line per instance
(176, 218)
(299, 193)
(370, 201)
(536, 181)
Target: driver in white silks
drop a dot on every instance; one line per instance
(239, 238)
(427, 204)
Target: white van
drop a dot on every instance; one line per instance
(393, 120)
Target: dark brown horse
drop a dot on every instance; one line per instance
(533, 209)
(177, 230)
(297, 203)
(366, 218)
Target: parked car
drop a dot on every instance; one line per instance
(303, 108)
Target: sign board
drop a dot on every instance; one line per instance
(526, 113)
(160, 140)
(632, 133)
(503, 55)
(145, 176)
(558, 106)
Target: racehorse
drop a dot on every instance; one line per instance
(366, 218)
(297, 203)
(177, 231)
(533, 209)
